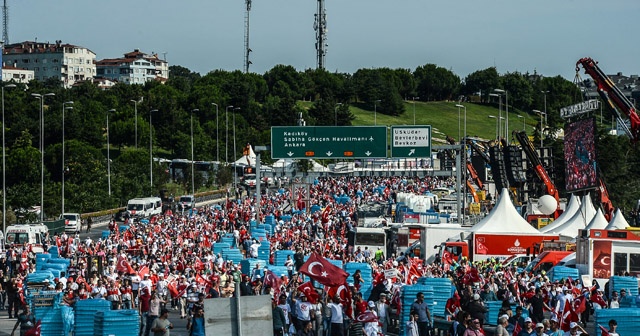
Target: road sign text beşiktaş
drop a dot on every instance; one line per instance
(328, 142)
(411, 141)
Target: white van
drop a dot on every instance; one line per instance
(33, 234)
(144, 207)
(72, 222)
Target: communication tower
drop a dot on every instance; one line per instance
(320, 26)
(5, 23)
(247, 50)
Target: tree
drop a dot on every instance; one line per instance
(436, 83)
(481, 81)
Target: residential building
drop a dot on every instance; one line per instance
(17, 75)
(135, 67)
(68, 63)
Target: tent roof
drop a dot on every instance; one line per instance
(598, 222)
(618, 222)
(572, 208)
(579, 220)
(503, 218)
(251, 158)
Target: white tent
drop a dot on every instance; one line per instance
(598, 222)
(579, 220)
(247, 160)
(572, 208)
(618, 222)
(504, 218)
(283, 165)
(316, 167)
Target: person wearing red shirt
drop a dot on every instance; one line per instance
(144, 307)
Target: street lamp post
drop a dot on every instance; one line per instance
(335, 113)
(135, 115)
(4, 166)
(544, 92)
(506, 114)
(151, 148)
(465, 118)
(414, 109)
(226, 138)
(541, 125)
(524, 127)
(235, 158)
(496, 118)
(375, 112)
(193, 171)
(64, 107)
(41, 98)
(108, 153)
(217, 137)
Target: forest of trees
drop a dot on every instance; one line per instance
(215, 100)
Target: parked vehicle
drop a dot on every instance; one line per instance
(72, 222)
(21, 234)
(186, 202)
(546, 260)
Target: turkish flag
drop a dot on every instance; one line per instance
(344, 295)
(272, 280)
(309, 291)
(35, 331)
(603, 331)
(367, 316)
(124, 266)
(143, 270)
(322, 271)
(325, 214)
(568, 316)
(580, 304)
(173, 289)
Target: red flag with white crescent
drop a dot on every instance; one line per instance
(124, 266)
(35, 331)
(143, 271)
(325, 214)
(344, 295)
(309, 291)
(322, 271)
(367, 316)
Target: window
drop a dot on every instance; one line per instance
(36, 69)
(44, 68)
(25, 60)
(619, 262)
(634, 264)
(44, 60)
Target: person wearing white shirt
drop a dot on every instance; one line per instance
(337, 317)
(146, 282)
(383, 312)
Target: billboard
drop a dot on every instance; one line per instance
(580, 155)
(491, 244)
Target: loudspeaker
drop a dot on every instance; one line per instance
(513, 164)
(498, 169)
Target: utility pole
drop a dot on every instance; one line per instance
(247, 50)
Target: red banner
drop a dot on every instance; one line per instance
(602, 259)
(502, 244)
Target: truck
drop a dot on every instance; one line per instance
(546, 260)
(481, 246)
(603, 253)
(425, 239)
(20, 234)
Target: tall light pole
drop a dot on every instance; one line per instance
(193, 170)
(151, 148)
(541, 124)
(414, 109)
(64, 107)
(459, 138)
(524, 127)
(499, 112)
(465, 118)
(135, 115)
(375, 111)
(41, 98)
(108, 153)
(335, 113)
(506, 114)
(226, 139)
(217, 133)
(496, 118)
(4, 166)
(544, 92)
(235, 158)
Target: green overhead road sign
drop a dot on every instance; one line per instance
(411, 141)
(328, 142)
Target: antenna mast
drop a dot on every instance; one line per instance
(320, 26)
(5, 23)
(247, 50)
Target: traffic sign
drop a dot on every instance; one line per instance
(328, 142)
(411, 141)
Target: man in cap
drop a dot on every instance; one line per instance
(555, 327)
(575, 329)
(382, 307)
(528, 329)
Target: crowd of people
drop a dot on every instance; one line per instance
(167, 263)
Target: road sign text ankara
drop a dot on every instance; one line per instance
(411, 141)
(328, 142)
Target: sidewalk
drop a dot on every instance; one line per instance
(6, 324)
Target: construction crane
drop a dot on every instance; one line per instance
(247, 50)
(320, 26)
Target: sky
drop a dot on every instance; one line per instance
(543, 36)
